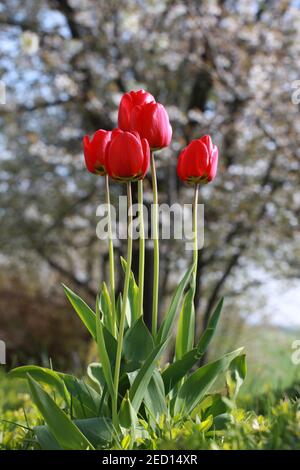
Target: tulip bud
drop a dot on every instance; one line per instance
(151, 121)
(198, 162)
(94, 151)
(128, 102)
(127, 156)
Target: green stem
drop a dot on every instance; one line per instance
(156, 248)
(141, 248)
(195, 234)
(111, 258)
(124, 302)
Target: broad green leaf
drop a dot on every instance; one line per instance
(236, 375)
(95, 373)
(154, 400)
(133, 294)
(42, 375)
(140, 383)
(85, 400)
(68, 436)
(168, 322)
(98, 431)
(176, 371)
(186, 325)
(210, 330)
(103, 356)
(110, 344)
(127, 414)
(45, 438)
(137, 345)
(197, 385)
(216, 407)
(84, 312)
(106, 307)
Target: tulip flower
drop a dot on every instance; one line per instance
(94, 151)
(127, 156)
(94, 154)
(198, 162)
(128, 102)
(151, 121)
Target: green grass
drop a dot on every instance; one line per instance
(267, 415)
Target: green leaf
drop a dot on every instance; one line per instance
(168, 322)
(127, 414)
(137, 345)
(140, 383)
(105, 306)
(103, 356)
(68, 436)
(186, 325)
(236, 375)
(111, 345)
(197, 385)
(98, 431)
(95, 373)
(42, 375)
(85, 313)
(176, 371)
(210, 330)
(45, 438)
(155, 401)
(85, 400)
(133, 295)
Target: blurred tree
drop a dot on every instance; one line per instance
(221, 67)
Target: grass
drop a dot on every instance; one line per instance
(267, 414)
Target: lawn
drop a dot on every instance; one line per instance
(266, 415)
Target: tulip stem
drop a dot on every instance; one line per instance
(124, 303)
(156, 247)
(111, 259)
(141, 248)
(195, 235)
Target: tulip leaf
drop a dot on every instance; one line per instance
(176, 371)
(85, 400)
(154, 400)
(137, 345)
(133, 295)
(65, 432)
(103, 356)
(104, 303)
(84, 312)
(236, 375)
(44, 376)
(168, 322)
(142, 379)
(45, 438)
(186, 325)
(197, 385)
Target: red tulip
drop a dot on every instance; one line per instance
(151, 121)
(94, 151)
(198, 162)
(128, 102)
(127, 156)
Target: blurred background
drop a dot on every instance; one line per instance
(227, 68)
